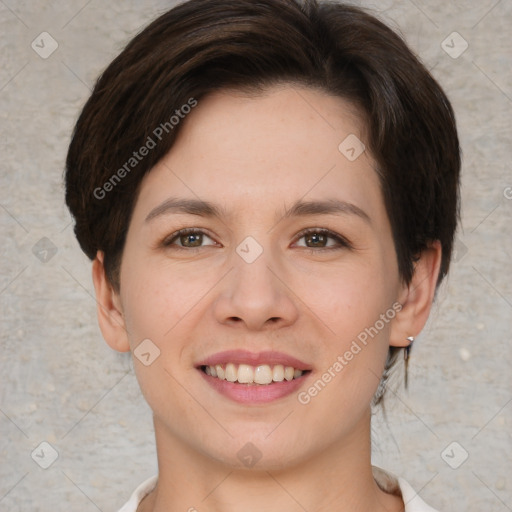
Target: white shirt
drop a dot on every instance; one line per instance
(386, 481)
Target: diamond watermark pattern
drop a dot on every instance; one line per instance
(351, 148)
(454, 455)
(249, 250)
(454, 45)
(44, 455)
(249, 455)
(146, 352)
(459, 250)
(44, 45)
(44, 250)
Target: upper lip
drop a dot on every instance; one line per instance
(254, 359)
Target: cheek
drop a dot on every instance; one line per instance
(158, 297)
(357, 306)
(349, 297)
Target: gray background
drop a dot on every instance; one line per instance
(60, 383)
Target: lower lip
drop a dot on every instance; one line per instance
(254, 393)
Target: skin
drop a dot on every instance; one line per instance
(254, 156)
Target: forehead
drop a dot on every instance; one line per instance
(277, 146)
(284, 117)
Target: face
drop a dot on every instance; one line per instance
(258, 252)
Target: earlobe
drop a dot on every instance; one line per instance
(417, 297)
(110, 315)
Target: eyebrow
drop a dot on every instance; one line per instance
(186, 206)
(326, 207)
(298, 209)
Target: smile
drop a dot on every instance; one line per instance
(253, 378)
(246, 374)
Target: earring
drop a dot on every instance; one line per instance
(407, 351)
(407, 355)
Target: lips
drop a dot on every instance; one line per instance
(239, 357)
(249, 377)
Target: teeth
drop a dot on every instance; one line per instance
(263, 374)
(220, 372)
(278, 373)
(247, 374)
(231, 373)
(288, 373)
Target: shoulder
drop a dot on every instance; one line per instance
(139, 494)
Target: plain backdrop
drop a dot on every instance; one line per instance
(449, 435)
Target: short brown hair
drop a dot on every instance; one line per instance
(202, 46)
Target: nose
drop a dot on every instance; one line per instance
(255, 296)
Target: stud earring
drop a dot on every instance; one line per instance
(407, 355)
(407, 350)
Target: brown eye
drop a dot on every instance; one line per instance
(316, 240)
(322, 239)
(191, 240)
(188, 239)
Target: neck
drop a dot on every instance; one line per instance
(340, 478)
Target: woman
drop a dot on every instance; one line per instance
(269, 193)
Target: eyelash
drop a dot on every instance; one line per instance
(167, 242)
(342, 243)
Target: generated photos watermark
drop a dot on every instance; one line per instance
(150, 144)
(357, 345)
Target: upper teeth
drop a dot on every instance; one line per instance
(247, 374)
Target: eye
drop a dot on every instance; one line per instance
(188, 238)
(320, 238)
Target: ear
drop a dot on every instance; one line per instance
(417, 297)
(110, 314)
